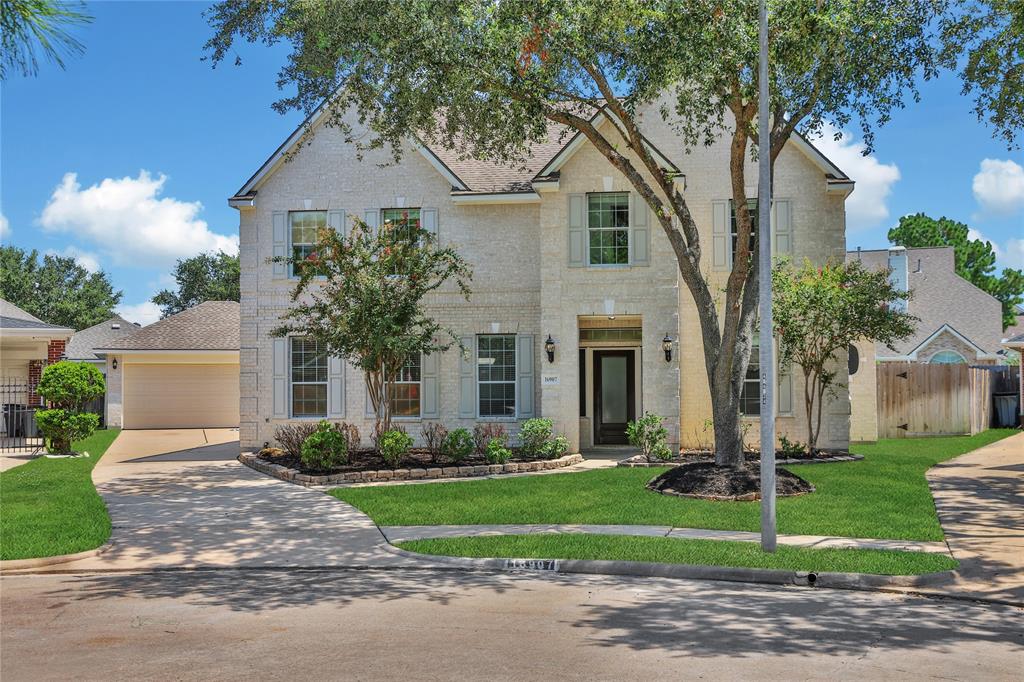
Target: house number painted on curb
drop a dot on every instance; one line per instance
(531, 565)
(549, 380)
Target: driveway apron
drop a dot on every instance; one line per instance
(180, 499)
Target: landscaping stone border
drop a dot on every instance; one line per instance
(254, 461)
(640, 462)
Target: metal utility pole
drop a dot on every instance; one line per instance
(767, 354)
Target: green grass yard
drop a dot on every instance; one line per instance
(679, 551)
(50, 506)
(883, 496)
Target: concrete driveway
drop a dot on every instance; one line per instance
(179, 498)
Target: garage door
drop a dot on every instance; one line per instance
(177, 396)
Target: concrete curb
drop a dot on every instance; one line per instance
(766, 576)
(27, 564)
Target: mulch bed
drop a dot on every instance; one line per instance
(369, 460)
(751, 458)
(704, 480)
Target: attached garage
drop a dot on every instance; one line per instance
(180, 396)
(179, 373)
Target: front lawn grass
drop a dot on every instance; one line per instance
(883, 496)
(50, 507)
(684, 551)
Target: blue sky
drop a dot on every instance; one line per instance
(126, 159)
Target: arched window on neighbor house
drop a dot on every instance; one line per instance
(947, 357)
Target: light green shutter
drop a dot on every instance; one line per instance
(336, 220)
(720, 256)
(279, 380)
(428, 221)
(372, 218)
(280, 243)
(430, 393)
(782, 227)
(577, 230)
(335, 388)
(640, 230)
(467, 378)
(524, 376)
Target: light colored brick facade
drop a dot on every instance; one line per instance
(523, 282)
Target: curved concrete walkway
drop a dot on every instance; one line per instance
(180, 499)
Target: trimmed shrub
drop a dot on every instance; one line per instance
(434, 434)
(647, 434)
(497, 451)
(458, 445)
(68, 387)
(292, 436)
(393, 445)
(556, 447)
(325, 448)
(534, 437)
(791, 448)
(483, 434)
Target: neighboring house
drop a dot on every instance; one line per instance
(83, 345)
(27, 345)
(561, 249)
(958, 323)
(180, 372)
(1016, 343)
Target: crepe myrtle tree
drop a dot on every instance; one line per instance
(361, 297)
(490, 78)
(819, 311)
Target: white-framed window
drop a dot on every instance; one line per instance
(401, 220)
(608, 228)
(733, 232)
(750, 396)
(308, 375)
(496, 375)
(303, 228)
(947, 357)
(404, 389)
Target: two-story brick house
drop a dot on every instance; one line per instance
(563, 250)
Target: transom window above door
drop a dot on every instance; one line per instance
(608, 228)
(304, 227)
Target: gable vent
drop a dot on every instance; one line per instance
(115, 325)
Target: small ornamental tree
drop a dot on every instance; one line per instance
(68, 387)
(361, 297)
(820, 311)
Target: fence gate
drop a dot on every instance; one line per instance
(19, 402)
(917, 399)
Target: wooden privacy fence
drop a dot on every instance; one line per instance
(932, 400)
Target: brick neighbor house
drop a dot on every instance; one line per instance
(561, 249)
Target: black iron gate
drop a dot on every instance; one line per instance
(19, 402)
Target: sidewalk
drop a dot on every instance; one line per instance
(980, 501)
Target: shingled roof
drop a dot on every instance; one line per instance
(85, 342)
(12, 317)
(214, 325)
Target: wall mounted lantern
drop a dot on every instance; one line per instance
(114, 363)
(666, 345)
(549, 348)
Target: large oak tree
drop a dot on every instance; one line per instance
(490, 77)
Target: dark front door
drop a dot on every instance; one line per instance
(614, 394)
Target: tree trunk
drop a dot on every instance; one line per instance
(728, 434)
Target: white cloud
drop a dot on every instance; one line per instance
(144, 313)
(129, 220)
(999, 187)
(866, 207)
(87, 259)
(5, 228)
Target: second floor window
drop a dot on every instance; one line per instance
(303, 229)
(308, 369)
(608, 228)
(750, 397)
(403, 221)
(404, 389)
(733, 231)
